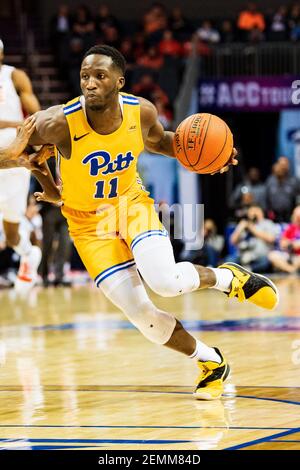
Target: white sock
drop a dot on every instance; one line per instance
(223, 279)
(24, 246)
(205, 353)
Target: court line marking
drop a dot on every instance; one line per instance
(81, 388)
(263, 439)
(108, 390)
(48, 447)
(270, 438)
(278, 400)
(99, 441)
(140, 427)
(274, 323)
(157, 385)
(157, 392)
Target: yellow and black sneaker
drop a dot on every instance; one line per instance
(211, 379)
(253, 287)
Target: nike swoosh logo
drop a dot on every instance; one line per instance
(80, 137)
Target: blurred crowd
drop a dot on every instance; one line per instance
(263, 228)
(157, 45)
(267, 215)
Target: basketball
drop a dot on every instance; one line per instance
(203, 143)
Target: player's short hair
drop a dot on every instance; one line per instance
(117, 58)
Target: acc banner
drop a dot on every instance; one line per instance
(249, 94)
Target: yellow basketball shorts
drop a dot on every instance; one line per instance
(105, 238)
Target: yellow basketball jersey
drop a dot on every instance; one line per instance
(102, 167)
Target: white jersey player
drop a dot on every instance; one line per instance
(15, 95)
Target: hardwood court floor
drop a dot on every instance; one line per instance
(76, 375)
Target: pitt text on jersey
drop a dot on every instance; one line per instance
(101, 162)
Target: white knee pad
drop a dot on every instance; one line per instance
(178, 279)
(155, 261)
(125, 289)
(154, 324)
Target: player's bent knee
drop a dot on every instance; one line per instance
(181, 279)
(165, 285)
(155, 325)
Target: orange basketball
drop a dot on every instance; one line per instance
(203, 143)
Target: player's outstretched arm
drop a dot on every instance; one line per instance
(13, 156)
(51, 128)
(156, 139)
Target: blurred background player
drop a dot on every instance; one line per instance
(15, 95)
(56, 246)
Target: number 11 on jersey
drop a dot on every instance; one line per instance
(101, 186)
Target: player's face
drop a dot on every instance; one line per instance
(100, 81)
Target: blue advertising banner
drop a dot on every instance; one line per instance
(249, 94)
(289, 139)
(159, 175)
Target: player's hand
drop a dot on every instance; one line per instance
(233, 161)
(43, 154)
(24, 161)
(23, 135)
(44, 197)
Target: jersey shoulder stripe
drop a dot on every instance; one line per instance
(130, 98)
(72, 107)
(132, 103)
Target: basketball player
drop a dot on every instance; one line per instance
(99, 137)
(16, 93)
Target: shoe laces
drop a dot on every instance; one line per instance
(236, 290)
